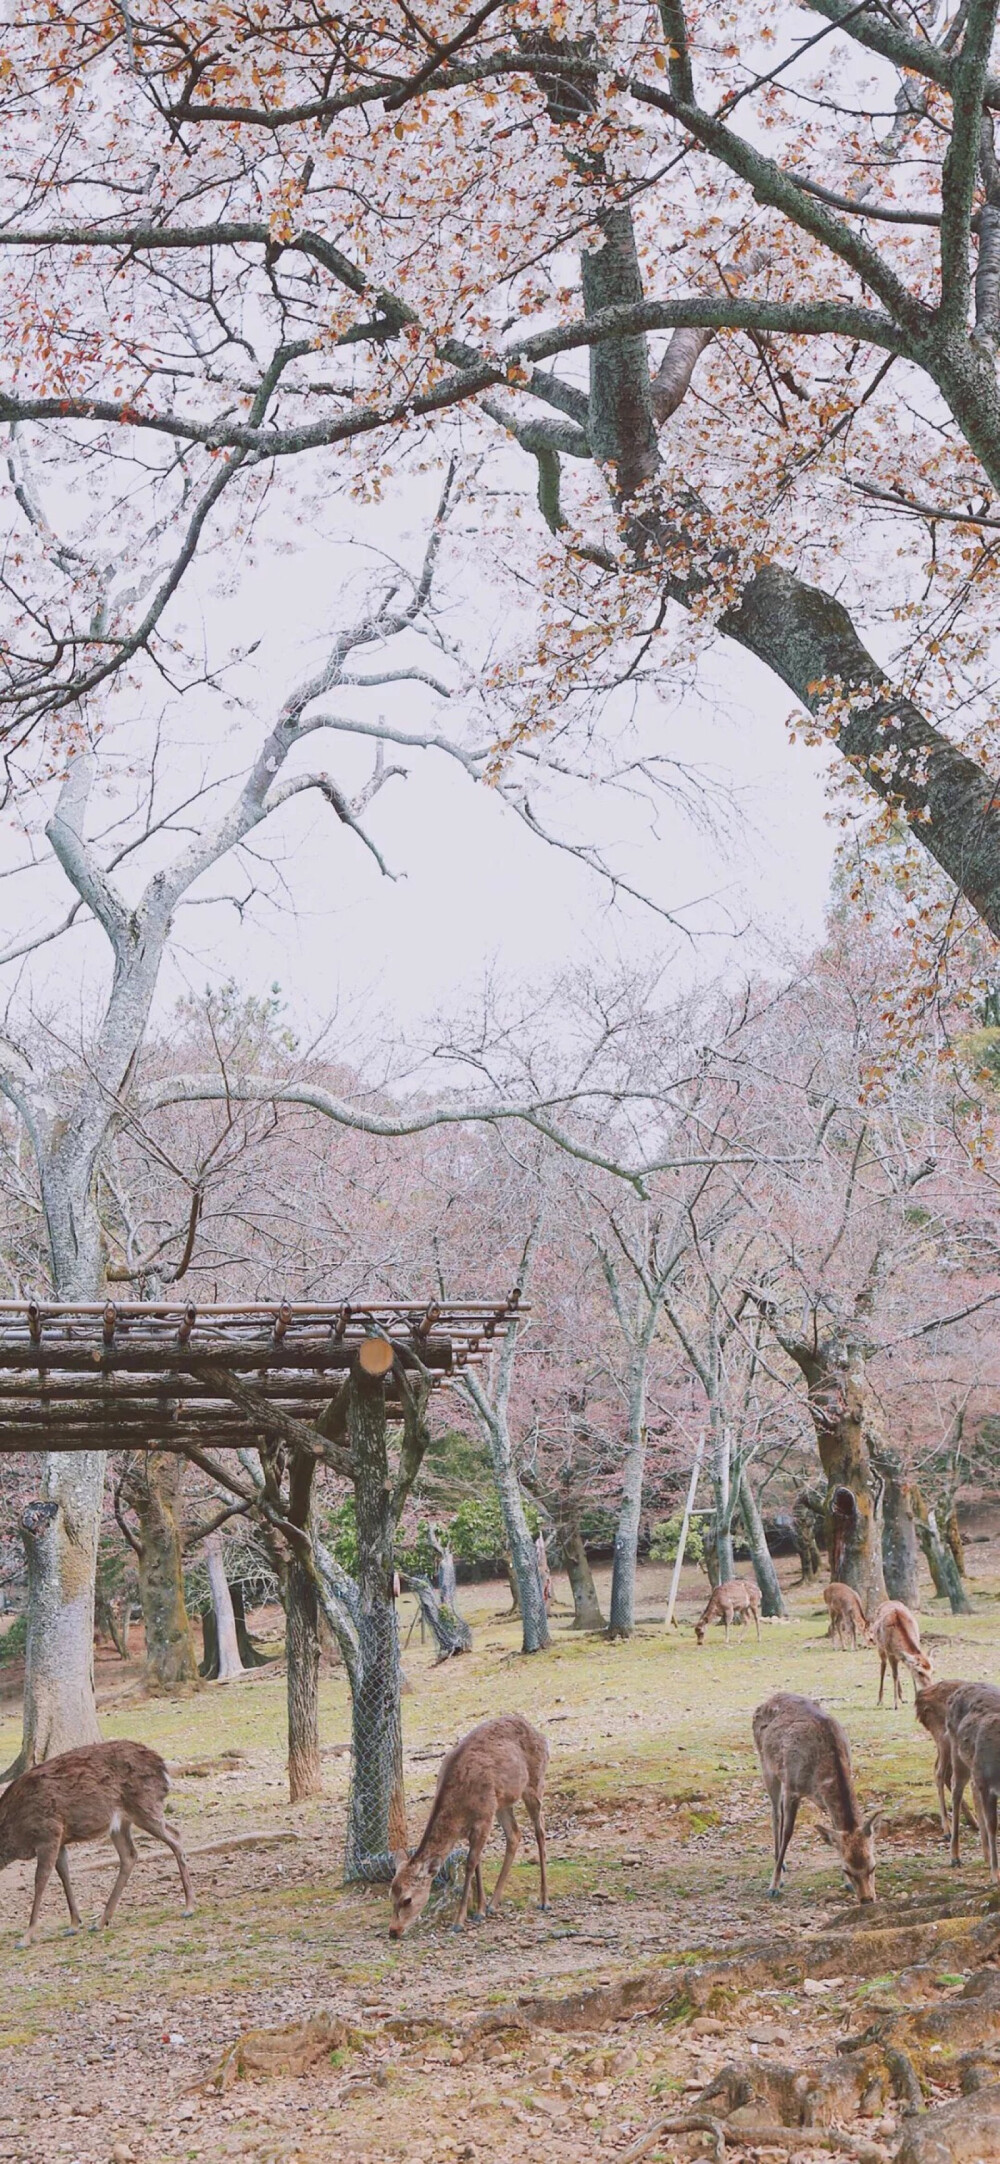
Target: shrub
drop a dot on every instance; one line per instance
(666, 1541)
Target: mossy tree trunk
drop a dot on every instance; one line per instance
(302, 1647)
(847, 1433)
(152, 1489)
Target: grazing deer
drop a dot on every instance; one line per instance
(848, 1622)
(969, 1704)
(804, 1752)
(894, 1630)
(496, 1765)
(103, 1788)
(979, 1745)
(734, 1598)
(931, 1708)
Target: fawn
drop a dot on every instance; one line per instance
(103, 1788)
(970, 1705)
(804, 1752)
(848, 1622)
(734, 1598)
(931, 1708)
(894, 1630)
(496, 1765)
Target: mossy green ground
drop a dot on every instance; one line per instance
(660, 1841)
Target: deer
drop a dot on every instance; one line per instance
(803, 1753)
(895, 1632)
(978, 1754)
(968, 1706)
(930, 1705)
(497, 1765)
(848, 1622)
(103, 1788)
(734, 1598)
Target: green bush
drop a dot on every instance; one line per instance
(12, 1642)
(666, 1540)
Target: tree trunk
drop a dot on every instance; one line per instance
(725, 1503)
(376, 1809)
(954, 1539)
(209, 1665)
(771, 1598)
(302, 1670)
(230, 1664)
(621, 1614)
(60, 1534)
(250, 1655)
(807, 1512)
(900, 1549)
(846, 1425)
(450, 1631)
(523, 1560)
(152, 1490)
(941, 1562)
(586, 1606)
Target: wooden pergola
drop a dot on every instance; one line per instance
(158, 1375)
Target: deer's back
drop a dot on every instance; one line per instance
(802, 1744)
(895, 1627)
(969, 1703)
(931, 1705)
(81, 1792)
(490, 1768)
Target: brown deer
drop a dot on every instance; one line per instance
(931, 1708)
(734, 1598)
(848, 1622)
(103, 1788)
(895, 1632)
(969, 1704)
(977, 1740)
(804, 1752)
(496, 1765)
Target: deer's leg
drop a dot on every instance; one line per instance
(156, 1824)
(727, 1618)
(788, 1811)
(881, 1674)
(990, 1813)
(756, 1623)
(127, 1860)
(533, 1806)
(960, 1775)
(897, 1695)
(46, 1858)
(512, 1837)
(939, 1776)
(62, 1866)
(473, 1861)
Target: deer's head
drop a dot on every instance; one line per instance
(857, 1852)
(410, 1889)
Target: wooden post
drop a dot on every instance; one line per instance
(685, 1522)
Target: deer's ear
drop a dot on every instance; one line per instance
(400, 1857)
(826, 1835)
(872, 1821)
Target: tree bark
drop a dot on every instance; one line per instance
(60, 1534)
(807, 1512)
(900, 1548)
(586, 1606)
(771, 1597)
(621, 1612)
(230, 1664)
(376, 1811)
(523, 1560)
(941, 1562)
(250, 1655)
(152, 1489)
(846, 1429)
(302, 1671)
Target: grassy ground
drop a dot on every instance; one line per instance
(660, 1843)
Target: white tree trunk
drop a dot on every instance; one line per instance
(230, 1664)
(60, 1534)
